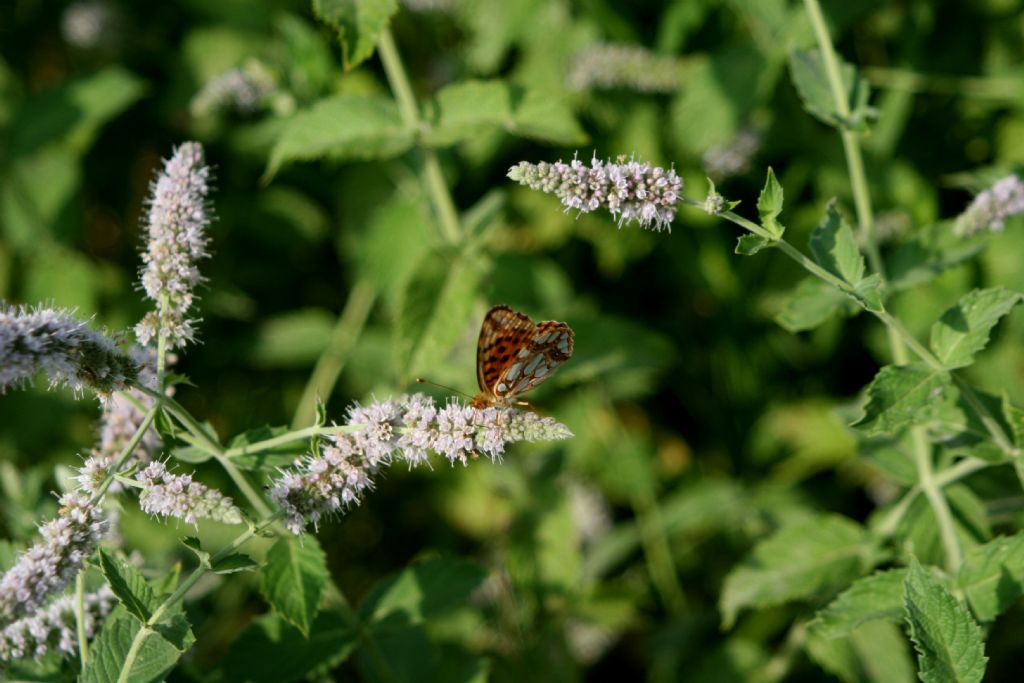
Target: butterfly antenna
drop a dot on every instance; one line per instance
(420, 380)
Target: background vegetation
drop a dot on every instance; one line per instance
(702, 424)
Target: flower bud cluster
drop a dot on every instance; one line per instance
(63, 347)
(178, 495)
(176, 240)
(49, 565)
(624, 66)
(53, 628)
(630, 190)
(991, 208)
(244, 90)
(405, 429)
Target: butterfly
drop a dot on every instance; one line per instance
(513, 355)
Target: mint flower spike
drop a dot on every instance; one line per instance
(245, 89)
(991, 208)
(178, 495)
(404, 429)
(630, 190)
(176, 239)
(634, 67)
(52, 629)
(55, 342)
(49, 565)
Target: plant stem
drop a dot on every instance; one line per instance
(83, 641)
(126, 452)
(948, 476)
(865, 219)
(331, 362)
(433, 178)
(290, 437)
(147, 628)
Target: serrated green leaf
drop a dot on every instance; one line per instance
(992, 576)
(869, 292)
(293, 579)
(809, 304)
(804, 560)
(750, 244)
(963, 330)
(901, 396)
(342, 128)
(358, 23)
(879, 596)
(272, 651)
(948, 641)
(422, 591)
(875, 652)
(151, 660)
(835, 248)
(129, 586)
(769, 204)
(807, 69)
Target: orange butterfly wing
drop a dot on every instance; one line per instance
(513, 355)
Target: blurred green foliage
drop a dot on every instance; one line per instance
(701, 424)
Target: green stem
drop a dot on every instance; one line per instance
(942, 479)
(147, 628)
(339, 346)
(83, 641)
(290, 437)
(437, 189)
(657, 553)
(126, 452)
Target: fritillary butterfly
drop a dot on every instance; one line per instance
(513, 355)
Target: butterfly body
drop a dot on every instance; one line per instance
(514, 354)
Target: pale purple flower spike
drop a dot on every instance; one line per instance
(403, 429)
(991, 208)
(63, 347)
(178, 495)
(630, 190)
(176, 240)
(52, 629)
(49, 565)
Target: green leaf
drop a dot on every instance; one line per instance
(342, 128)
(769, 205)
(129, 586)
(294, 577)
(151, 660)
(73, 113)
(397, 240)
(809, 304)
(803, 560)
(869, 292)
(875, 652)
(807, 70)
(235, 562)
(963, 330)
(295, 338)
(190, 454)
(468, 109)
(948, 641)
(358, 23)
(270, 458)
(1014, 417)
(272, 651)
(835, 248)
(901, 396)
(879, 596)
(421, 592)
(750, 244)
(992, 576)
